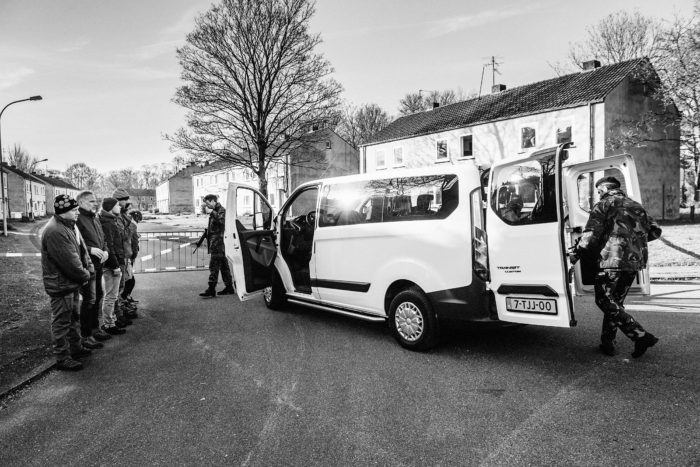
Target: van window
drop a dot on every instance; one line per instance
(389, 200)
(587, 194)
(251, 210)
(526, 193)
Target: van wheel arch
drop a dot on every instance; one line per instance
(411, 318)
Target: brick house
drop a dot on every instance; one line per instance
(588, 108)
(143, 199)
(56, 186)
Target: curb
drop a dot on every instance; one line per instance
(23, 381)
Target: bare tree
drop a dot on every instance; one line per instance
(20, 158)
(83, 176)
(357, 125)
(124, 178)
(679, 69)
(254, 83)
(618, 37)
(415, 102)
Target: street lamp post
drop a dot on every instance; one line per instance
(31, 190)
(5, 204)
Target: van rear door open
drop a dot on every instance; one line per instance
(526, 240)
(581, 196)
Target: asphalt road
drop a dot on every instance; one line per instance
(216, 382)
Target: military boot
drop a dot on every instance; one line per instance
(210, 292)
(643, 343)
(227, 291)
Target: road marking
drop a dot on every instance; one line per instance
(185, 245)
(13, 255)
(664, 308)
(150, 270)
(190, 267)
(169, 250)
(146, 258)
(170, 268)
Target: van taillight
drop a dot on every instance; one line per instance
(480, 254)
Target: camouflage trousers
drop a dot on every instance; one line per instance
(611, 288)
(218, 262)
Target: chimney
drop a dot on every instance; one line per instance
(591, 65)
(496, 88)
(436, 105)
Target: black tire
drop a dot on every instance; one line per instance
(412, 320)
(275, 296)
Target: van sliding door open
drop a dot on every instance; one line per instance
(526, 243)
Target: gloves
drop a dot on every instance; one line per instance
(103, 255)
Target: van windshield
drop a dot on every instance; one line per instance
(389, 200)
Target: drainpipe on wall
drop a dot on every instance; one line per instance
(591, 132)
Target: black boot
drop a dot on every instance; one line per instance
(643, 343)
(227, 291)
(210, 292)
(608, 348)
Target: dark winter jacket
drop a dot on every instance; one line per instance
(125, 221)
(91, 230)
(215, 237)
(617, 231)
(65, 262)
(114, 239)
(134, 240)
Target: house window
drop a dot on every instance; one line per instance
(381, 161)
(527, 137)
(441, 150)
(467, 150)
(398, 157)
(328, 144)
(564, 133)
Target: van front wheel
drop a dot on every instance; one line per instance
(274, 295)
(412, 320)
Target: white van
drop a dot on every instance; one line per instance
(421, 247)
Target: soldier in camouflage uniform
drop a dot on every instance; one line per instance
(617, 231)
(215, 242)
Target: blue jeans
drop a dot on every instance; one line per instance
(111, 277)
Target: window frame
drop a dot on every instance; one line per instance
(461, 146)
(401, 163)
(533, 127)
(379, 153)
(438, 143)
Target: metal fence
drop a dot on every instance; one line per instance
(171, 251)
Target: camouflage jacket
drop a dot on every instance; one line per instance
(617, 231)
(215, 236)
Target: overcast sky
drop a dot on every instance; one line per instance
(107, 69)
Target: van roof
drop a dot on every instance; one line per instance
(443, 168)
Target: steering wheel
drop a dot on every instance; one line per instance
(298, 223)
(311, 218)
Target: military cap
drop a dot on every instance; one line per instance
(608, 181)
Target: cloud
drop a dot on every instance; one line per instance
(457, 23)
(9, 79)
(151, 51)
(74, 46)
(184, 25)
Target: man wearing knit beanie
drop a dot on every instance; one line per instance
(111, 272)
(66, 266)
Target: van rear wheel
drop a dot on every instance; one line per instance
(274, 295)
(412, 320)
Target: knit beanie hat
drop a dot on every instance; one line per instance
(120, 194)
(108, 204)
(64, 203)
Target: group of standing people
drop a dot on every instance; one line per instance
(87, 260)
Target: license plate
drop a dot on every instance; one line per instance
(532, 305)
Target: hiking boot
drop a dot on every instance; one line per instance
(643, 343)
(69, 364)
(123, 322)
(131, 314)
(100, 335)
(91, 344)
(81, 352)
(131, 300)
(227, 291)
(210, 292)
(608, 349)
(113, 331)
